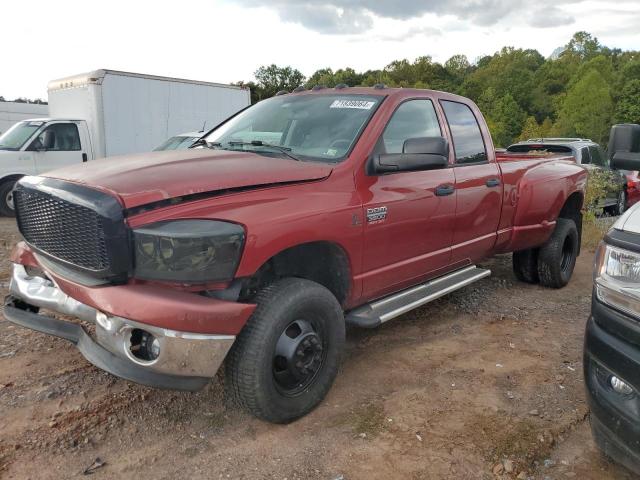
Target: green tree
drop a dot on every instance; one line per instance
(628, 109)
(510, 71)
(531, 129)
(507, 119)
(272, 78)
(583, 45)
(587, 108)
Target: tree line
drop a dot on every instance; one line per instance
(578, 92)
(37, 101)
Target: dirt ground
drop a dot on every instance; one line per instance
(486, 378)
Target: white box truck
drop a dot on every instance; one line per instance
(105, 113)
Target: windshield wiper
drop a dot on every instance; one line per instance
(259, 143)
(202, 142)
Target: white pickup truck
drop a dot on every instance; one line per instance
(105, 113)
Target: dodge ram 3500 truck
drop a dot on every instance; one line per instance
(301, 214)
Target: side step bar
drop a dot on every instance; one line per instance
(376, 313)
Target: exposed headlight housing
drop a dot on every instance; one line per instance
(617, 278)
(188, 251)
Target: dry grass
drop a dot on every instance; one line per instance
(593, 229)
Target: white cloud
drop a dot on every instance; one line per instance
(224, 41)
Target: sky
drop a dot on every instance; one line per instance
(227, 40)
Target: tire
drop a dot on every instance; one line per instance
(557, 257)
(621, 206)
(290, 314)
(6, 199)
(525, 265)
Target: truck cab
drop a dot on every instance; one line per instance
(35, 146)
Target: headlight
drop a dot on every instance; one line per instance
(617, 278)
(188, 251)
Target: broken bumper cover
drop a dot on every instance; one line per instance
(186, 360)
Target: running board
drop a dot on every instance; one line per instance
(376, 313)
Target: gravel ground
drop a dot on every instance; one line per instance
(485, 383)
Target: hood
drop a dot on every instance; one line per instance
(155, 176)
(629, 221)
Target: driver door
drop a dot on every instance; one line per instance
(58, 145)
(408, 216)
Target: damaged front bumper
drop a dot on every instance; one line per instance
(185, 360)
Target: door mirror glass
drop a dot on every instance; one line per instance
(427, 145)
(624, 147)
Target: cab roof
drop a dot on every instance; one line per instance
(378, 90)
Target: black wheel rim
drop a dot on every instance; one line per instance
(9, 199)
(298, 357)
(567, 254)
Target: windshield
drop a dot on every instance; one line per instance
(16, 136)
(178, 142)
(315, 127)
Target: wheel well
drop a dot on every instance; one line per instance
(322, 262)
(10, 178)
(572, 209)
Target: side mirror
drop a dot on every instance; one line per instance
(418, 154)
(624, 147)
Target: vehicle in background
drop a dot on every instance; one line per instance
(180, 142)
(612, 338)
(306, 212)
(105, 113)
(622, 191)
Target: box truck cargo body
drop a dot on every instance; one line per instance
(130, 113)
(105, 113)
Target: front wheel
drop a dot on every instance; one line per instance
(557, 257)
(6, 199)
(286, 358)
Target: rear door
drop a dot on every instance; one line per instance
(57, 145)
(408, 216)
(478, 185)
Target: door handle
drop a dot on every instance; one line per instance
(444, 190)
(493, 182)
(84, 157)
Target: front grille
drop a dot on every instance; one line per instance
(80, 227)
(69, 232)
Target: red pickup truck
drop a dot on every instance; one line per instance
(301, 214)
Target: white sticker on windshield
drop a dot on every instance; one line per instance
(361, 104)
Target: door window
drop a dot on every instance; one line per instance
(468, 143)
(412, 119)
(585, 156)
(59, 137)
(597, 156)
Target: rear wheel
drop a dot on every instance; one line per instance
(621, 206)
(6, 199)
(525, 265)
(286, 358)
(557, 257)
